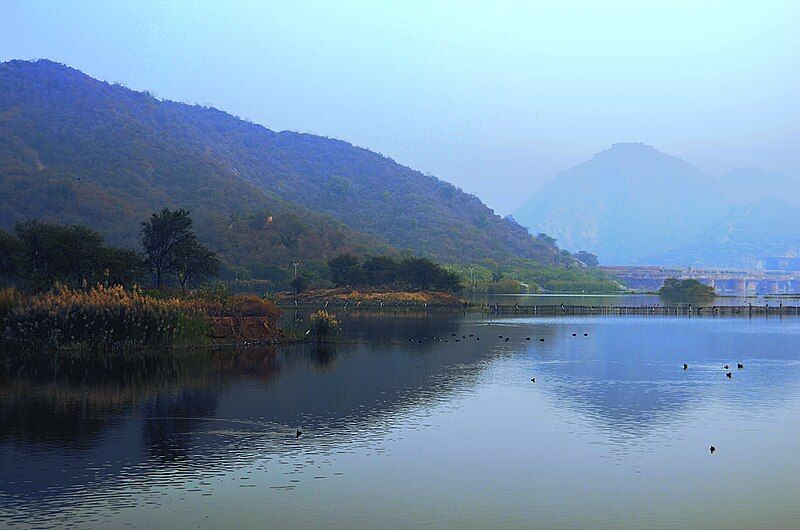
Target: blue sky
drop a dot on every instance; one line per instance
(495, 97)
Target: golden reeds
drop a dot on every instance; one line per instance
(99, 318)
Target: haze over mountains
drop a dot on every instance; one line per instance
(77, 150)
(632, 204)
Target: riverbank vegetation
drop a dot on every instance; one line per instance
(104, 319)
(389, 272)
(324, 326)
(519, 276)
(96, 319)
(43, 254)
(686, 290)
(371, 298)
(67, 289)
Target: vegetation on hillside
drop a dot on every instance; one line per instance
(75, 150)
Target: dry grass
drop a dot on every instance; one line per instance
(374, 297)
(242, 305)
(100, 318)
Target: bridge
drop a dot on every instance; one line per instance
(724, 281)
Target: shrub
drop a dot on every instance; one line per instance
(324, 325)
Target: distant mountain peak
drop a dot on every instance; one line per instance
(635, 152)
(633, 147)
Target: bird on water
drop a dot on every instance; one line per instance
(533, 379)
(298, 433)
(739, 366)
(685, 366)
(728, 375)
(712, 449)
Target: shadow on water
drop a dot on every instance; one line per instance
(71, 425)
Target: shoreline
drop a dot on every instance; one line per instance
(341, 298)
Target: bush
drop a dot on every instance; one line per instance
(324, 325)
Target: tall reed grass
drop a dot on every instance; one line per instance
(97, 319)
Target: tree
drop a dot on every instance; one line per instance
(380, 270)
(122, 266)
(422, 273)
(162, 235)
(685, 290)
(11, 250)
(194, 263)
(81, 250)
(300, 283)
(69, 254)
(345, 270)
(587, 258)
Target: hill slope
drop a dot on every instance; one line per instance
(741, 239)
(75, 149)
(627, 202)
(745, 185)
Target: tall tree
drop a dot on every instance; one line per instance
(54, 252)
(162, 235)
(122, 266)
(10, 256)
(345, 270)
(194, 263)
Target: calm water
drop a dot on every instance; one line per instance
(396, 433)
(624, 300)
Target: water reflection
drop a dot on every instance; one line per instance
(82, 445)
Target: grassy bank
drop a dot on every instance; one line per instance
(109, 319)
(371, 298)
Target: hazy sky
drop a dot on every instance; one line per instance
(494, 97)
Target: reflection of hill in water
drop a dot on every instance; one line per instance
(630, 381)
(212, 412)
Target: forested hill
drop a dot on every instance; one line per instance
(75, 149)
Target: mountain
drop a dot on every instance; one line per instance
(745, 185)
(77, 150)
(627, 202)
(743, 238)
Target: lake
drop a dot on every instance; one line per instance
(403, 429)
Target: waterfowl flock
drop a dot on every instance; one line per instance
(729, 375)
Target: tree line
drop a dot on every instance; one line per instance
(41, 254)
(409, 273)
